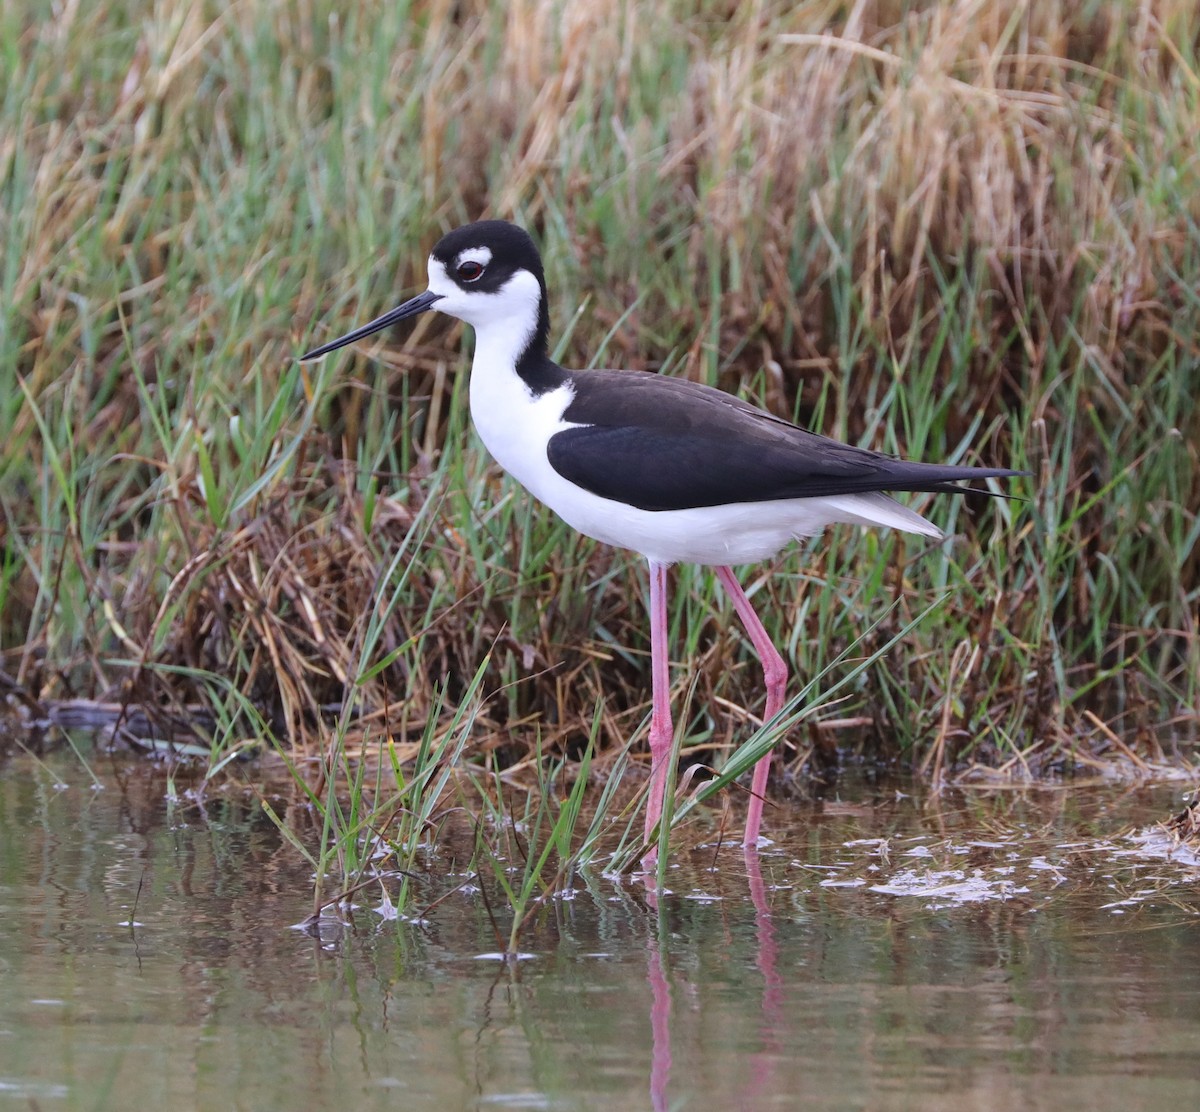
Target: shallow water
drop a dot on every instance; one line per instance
(993, 950)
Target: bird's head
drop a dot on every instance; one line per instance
(487, 273)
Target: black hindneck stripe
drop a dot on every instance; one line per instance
(536, 369)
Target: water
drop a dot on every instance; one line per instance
(1008, 950)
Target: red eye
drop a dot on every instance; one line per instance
(470, 270)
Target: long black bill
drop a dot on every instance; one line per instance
(410, 308)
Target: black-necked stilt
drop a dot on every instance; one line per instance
(674, 470)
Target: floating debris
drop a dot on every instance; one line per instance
(1162, 845)
(951, 887)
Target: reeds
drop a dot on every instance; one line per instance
(955, 231)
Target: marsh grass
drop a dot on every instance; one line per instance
(964, 231)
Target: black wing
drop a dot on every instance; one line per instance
(659, 443)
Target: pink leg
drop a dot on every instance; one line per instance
(662, 732)
(775, 674)
(660, 1024)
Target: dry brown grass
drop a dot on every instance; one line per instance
(962, 220)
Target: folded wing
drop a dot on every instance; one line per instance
(660, 443)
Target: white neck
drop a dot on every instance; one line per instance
(501, 340)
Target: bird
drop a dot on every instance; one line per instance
(674, 470)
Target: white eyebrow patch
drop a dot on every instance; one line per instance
(480, 255)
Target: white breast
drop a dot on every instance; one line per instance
(516, 427)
